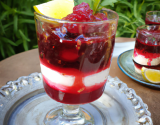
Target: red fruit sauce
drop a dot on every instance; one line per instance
(147, 49)
(152, 18)
(139, 66)
(147, 21)
(148, 45)
(76, 49)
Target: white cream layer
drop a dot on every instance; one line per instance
(67, 80)
(96, 78)
(57, 77)
(144, 61)
(137, 70)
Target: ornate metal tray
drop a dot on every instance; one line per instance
(24, 102)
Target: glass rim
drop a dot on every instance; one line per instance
(147, 14)
(145, 27)
(67, 21)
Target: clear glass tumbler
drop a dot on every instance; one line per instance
(75, 59)
(147, 48)
(153, 18)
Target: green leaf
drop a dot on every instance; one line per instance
(18, 35)
(141, 21)
(9, 3)
(140, 7)
(75, 2)
(6, 40)
(18, 42)
(26, 32)
(135, 8)
(133, 35)
(4, 14)
(36, 46)
(2, 27)
(95, 5)
(25, 45)
(150, 0)
(124, 16)
(100, 8)
(26, 21)
(8, 52)
(121, 20)
(130, 30)
(7, 25)
(11, 49)
(154, 3)
(127, 3)
(15, 23)
(6, 7)
(121, 33)
(108, 2)
(25, 13)
(23, 36)
(2, 50)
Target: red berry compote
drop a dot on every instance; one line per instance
(75, 57)
(147, 48)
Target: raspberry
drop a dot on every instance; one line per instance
(83, 13)
(83, 7)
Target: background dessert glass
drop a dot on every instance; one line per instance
(75, 59)
(147, 48)
(153, 17)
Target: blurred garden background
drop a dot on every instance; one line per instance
(17, 26)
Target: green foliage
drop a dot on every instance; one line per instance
(17, 26)
(96, 5)
(108, 2)
(132, 15)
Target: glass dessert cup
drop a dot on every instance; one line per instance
(75, 59)
(147, 48)
(153, 18)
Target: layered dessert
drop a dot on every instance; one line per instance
(75, 57)
(147, 48)
(153, 18)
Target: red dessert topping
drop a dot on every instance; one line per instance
(83, 13)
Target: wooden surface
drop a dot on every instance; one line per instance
(26, 63)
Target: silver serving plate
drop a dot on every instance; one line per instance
(24, 102)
